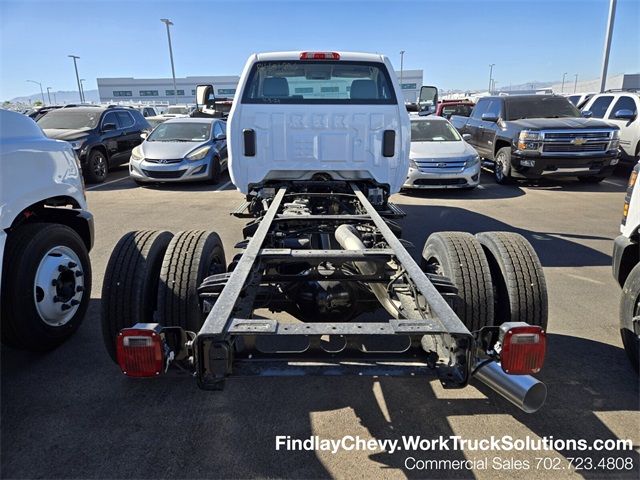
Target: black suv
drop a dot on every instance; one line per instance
(102, 137)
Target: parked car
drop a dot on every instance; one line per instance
(621, 109)
(440, 157)
(181, 150)
(38, 113)
(448, 108)
(530, 136)
(102, 137)
(46, 233)
(176, 111)
(626, 270)
(156, 120)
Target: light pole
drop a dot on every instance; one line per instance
(607, 44)
(49, 95)
(82, 89)
(41, 92)
(401, 68)
(491, 75)
(75, 57)
(168, 22)
(575, 84)
(563, 77)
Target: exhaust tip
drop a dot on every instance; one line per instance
(534, 398)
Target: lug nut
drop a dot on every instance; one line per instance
(72, 265)
(56, 299)
(54, 282)
(79, 288)
(65, 307)
(78, 273)
(74, 302)
(62, 268)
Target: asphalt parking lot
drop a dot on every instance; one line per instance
(71, 413)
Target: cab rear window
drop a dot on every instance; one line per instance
(319, 82)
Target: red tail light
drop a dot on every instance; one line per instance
(319, 56)
(523, 348)
(140, 350)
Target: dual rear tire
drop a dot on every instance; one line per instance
(153, 276)
(498, 275)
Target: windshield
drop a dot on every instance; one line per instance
(69, 120)
(178, 110)
(433, 131)
(543, 107)
(319, 82)
(181, 132)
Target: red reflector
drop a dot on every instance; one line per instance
(319, 56)
(523, 350)
(140, 352)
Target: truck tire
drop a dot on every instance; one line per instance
(191, 257)
(46, 286)
(629, 309)
(519, 284)
(502, 166)
(97, 167)
(130, 287)
(459, 256)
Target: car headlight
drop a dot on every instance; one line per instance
(77, 144)
(529, 140)
(472, 161)
(199, 153)
(615, 134)
(136, 154)
(412, 163)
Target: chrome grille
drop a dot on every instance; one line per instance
(576, 141)
(440, 166)
(163, 160)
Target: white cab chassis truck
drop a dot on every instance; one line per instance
(318, 143)
(46, 233)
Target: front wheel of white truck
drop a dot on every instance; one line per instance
(630, 317)
(46, 286)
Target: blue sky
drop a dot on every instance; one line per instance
(452, 41)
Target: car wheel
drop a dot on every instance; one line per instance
(216, 170)
(97, 167)
(502, 166)
(591, 179)
(629, 313)
(46, 282)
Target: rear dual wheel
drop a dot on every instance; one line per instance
(498, 276)
(153, 276)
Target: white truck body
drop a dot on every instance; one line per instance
(33, 168)
(297, 137)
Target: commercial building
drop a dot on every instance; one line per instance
(160, 90)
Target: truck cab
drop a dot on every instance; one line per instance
(318, 115)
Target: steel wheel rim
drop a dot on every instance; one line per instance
(58, 286)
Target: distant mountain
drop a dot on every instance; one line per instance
(61, 97)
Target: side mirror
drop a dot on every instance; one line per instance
(108, 126)
(624, 114)
(489, 117)
(144, 135)
(587, 113)
(466, 137)
(428, 98)
(221, 136)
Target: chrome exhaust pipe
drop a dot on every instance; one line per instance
(348, 238)
(524, 391)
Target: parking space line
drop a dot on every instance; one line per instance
(222, 187)
(107, 183)
(613, 183)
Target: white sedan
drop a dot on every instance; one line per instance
(440, 157)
